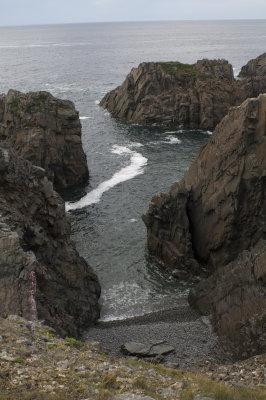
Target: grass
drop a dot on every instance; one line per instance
(177, 68)
(14, 104)
(20, 361)
(73, 342)
(46, 333)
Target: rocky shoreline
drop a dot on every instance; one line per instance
(213, 221)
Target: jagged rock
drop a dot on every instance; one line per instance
(236, 297)
(35, 235)
(146, 350)
(176, 94)
(47, 132)
(218, 209)
(255, 67)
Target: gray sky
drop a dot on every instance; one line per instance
(24, 12)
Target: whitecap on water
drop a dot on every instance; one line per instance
(173, 139)
(135, 144)
(127, 296)
(135, 168)
(85, 118)
(97, 102)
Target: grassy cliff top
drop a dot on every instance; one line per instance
(178, 68)
(69, 369)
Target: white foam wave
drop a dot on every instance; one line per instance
(97, 102)
(173, 139)
(175, 132)
(136, 144)
(209, 133)
(121, 300)
(136, 167)
(133, 220)
(85, 118)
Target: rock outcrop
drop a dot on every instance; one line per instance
(218, 209)
(47, 132)
(173, 94)
(236, 297)
(35, 236)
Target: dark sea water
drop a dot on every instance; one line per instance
(128, 163)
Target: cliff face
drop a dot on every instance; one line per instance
(47, 132)
(236, 298)
(218, 210)
(176, 94)
(35, 235)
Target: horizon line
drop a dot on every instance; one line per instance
(131, 21)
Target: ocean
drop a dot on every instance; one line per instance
(128, 164)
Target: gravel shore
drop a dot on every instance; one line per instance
(181, 327)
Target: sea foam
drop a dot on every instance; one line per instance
(136, 167)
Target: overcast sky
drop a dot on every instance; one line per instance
(26, 12)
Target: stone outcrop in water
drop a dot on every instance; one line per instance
(35, 235)
(47, 132)
(176, 94)
(217, 211)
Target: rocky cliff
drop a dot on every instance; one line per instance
(47, 132)
(218, 210)
(176, 94)
(35, 235)
(235, 296)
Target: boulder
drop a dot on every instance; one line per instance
(176, 95)
(46, 131)
(146, 350)
(35, 236)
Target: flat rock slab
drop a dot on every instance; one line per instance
(131, 396)
(146, 350)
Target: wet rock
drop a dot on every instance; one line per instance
(46, 131)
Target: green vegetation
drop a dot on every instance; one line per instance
(46, 333)
(14, 104)
(177, 68)
(19, 360)
(73, 342)
(43, 96)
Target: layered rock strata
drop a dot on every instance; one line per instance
(195, 96)
(217, 211)
(35, 236)
(46, 131)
